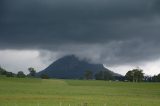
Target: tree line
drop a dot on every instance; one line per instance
(134, 75)
(137, 75)
(20, 74)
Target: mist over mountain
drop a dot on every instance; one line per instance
(71, 67)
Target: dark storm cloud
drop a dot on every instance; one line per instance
(77, 25)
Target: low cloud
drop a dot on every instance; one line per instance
(111, 32)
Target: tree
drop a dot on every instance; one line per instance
(156, 78)
(103, 75)
(88, 75)
(32, 72)
(20, 74)
(135, 75)
(10, 74)
(6, 73)
(44, 76)
(129, 76)
(2, 71)
(148, 78)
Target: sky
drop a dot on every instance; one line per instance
(121, 34)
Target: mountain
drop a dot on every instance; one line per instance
(70, 67)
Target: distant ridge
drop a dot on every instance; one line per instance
(70, 67)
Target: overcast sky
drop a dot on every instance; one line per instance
(122, 34)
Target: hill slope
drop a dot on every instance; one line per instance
(70, 67)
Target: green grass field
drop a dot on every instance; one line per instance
(37, 92)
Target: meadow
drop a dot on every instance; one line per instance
(54, 92)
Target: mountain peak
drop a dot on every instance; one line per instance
(71, 67)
